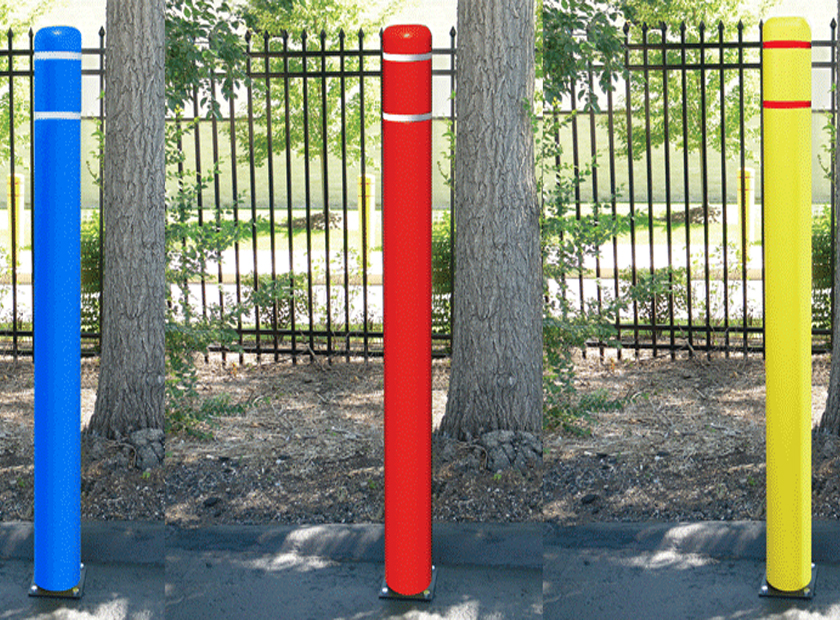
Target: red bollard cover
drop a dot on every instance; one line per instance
(407, 243)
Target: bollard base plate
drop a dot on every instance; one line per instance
(75, 592)
(426, 595)
(805, 593)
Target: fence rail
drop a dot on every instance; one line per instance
(289, 155)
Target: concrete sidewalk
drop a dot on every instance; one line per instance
(699, 571)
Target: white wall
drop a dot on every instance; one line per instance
(89, 15)
(818, 14)
(86, 15)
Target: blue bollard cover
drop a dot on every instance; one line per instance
(57, 314)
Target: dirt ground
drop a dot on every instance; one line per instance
(688, 445)
(310, 450)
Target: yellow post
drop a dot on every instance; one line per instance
(746, 200)
(370, 210)
(18, 219)
(787, 333)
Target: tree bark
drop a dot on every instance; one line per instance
(132, 369)
(496, 378)
(830, 422)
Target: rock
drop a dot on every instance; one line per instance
(530, 439)
(521, 463)
(211, 501)
(147, 458)
(149, 446)
(497, 459)
(97, 449)
(473, 461)
(448, 453)
(589, 498)
(829, 448)
(495, 438)
(146, 435)
(511, 449)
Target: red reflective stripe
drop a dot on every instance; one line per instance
(787, 44)
(780, 105)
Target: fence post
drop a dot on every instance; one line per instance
(407, 281)
(57, 322)
(787, 333)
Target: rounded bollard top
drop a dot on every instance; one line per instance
(407, 39)
(58, 39)
(786, 29)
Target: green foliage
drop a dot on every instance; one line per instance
(91, 274)
(656, 292)
(286, 294)
(313, 24)
(19, 26)
(670, 285)
(578, 34)
(5, 276)
(275, 16)
(822, 251)
(706, 19)
(201, 39)
(443, 244)
(821, 262)
(567, 240)
(190, 248)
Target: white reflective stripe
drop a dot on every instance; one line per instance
(63, 116)
(58, 56)
(406, 57)
(406, 118)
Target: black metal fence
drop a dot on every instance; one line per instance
(293, 146)
(289, 162)
(690, 259)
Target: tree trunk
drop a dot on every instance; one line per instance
(830, 422)
(496, 379)
(132, 368)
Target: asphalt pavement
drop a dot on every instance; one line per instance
(691, 571)
(700, 571)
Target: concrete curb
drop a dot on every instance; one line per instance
(478, 544)
(732, 540)
(118, 542)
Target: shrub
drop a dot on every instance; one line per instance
(443, 257)
(821, 259)
(91, 274)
